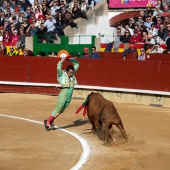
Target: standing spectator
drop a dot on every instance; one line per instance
(50, 24)
(131, 49)
(76, 11)
(117, 42)
(94, 53)
(41, 33)
(84, 6)
(86, 53)
(142, 55)
(67, 80)
(21, 39)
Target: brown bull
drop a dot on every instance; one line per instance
(102, 115)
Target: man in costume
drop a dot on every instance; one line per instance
(67, 81)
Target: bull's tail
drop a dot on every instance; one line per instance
(84, 105)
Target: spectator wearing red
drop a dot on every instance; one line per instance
(7, 37)
(136, 38)
(86, 53)
(15, 36)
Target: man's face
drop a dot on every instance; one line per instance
(70, 73)
(93, 50)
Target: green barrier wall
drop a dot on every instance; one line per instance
(64, 45)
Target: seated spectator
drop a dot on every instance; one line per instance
(131, 23)
(156, 49)
(144, 36)
(167, 51)
(148, 22)
(157, 10)
(153, 30)
(131, 49)
(94, 53)
(31, 30)
(7, 36)
(76, 11)
(126, 37)
(156, 39)
(27, 52)
(136, 38)
(161, 31)
(12, 52)
(142, 55)
(158, 23)
(140, 19)
(15, 36)
(86, 53)
(127, 27)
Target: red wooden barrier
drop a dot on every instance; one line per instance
(133, 74)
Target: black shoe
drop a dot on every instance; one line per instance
(46, 127)
(52, 126)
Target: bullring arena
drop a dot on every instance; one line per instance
(26, 145)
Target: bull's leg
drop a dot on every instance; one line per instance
(105, 134)
(122, 130)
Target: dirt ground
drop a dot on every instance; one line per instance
(26, 145)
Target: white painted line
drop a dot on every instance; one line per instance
(86, 148)
(167, 93)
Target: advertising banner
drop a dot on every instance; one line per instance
(131, 3)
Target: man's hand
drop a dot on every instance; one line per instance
(63, 59)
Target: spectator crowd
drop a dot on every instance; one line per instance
(45, 18)
(150, 28)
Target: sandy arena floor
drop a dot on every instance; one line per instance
(26, 145)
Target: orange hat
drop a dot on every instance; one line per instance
(86, 49)
(132, 45)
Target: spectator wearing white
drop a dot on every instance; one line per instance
(156, 39)
(153, 30)
(22, 14)
(119, 25)
(50, 24)
(148, 22)
(84, 6)
(71, 4)
(157, 10)
(54, 7)
(156, 49)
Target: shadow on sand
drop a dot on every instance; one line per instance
(75, 123)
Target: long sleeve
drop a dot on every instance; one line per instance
(75, 63)
(59, 70)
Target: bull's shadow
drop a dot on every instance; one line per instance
(78, 122)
